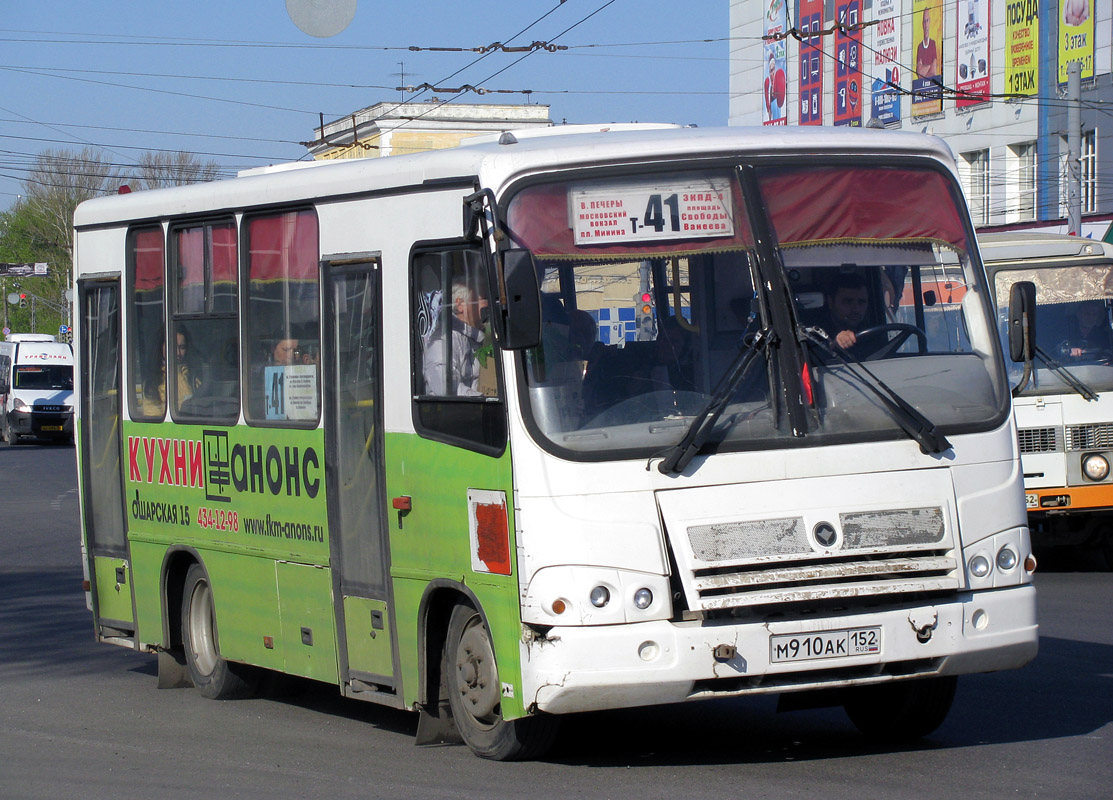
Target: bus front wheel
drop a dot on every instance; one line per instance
(475, 696)
(214, 677)
(903, 710)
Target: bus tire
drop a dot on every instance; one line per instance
(214, 677)
(901, 711)
(475, 695)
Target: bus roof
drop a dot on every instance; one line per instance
(998, 247)
(495, 163)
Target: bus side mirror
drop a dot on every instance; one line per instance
(4, 388)
(522, 305)
(1022, 321)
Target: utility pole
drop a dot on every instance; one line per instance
(1074, 148)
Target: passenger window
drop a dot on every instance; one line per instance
(204, 356)
(456, 386)
(147, 324)
(282, 352)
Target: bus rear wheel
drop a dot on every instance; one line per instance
(901, 711)
(214, 677)
(475, 696)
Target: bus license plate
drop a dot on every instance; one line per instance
(1031, 500)
(825, 644)
(52, 427)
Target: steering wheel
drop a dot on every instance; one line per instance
(903, 331)
(1097, 355)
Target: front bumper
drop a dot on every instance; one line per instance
(591, 668)
(43, 425)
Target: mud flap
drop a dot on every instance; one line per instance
(436, 726)
(172, 671)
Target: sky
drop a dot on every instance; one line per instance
(237, 82)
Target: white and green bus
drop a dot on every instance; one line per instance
(371, 423)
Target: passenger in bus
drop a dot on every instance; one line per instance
(188, 381)
(154, 388)
(847, 306)
(1088, 333)
(461, 378)
(285, 352)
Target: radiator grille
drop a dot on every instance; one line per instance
(880, 553)
(1090, 437)
(1039, 440)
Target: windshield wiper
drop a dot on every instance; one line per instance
(915, 424)
(683, 452)
(1067, 376)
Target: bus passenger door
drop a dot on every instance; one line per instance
(355, 478)
(100, 444)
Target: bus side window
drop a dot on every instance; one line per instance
(455, 378)
(203, 271)
(146, 310)
(282, 348)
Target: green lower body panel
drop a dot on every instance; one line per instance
(367, 631)
(113, 591)
(308, 623)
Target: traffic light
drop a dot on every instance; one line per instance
(23, 300)
(643, 314)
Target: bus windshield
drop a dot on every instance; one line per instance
(655, 289)
(53, 376)
(1073, 328)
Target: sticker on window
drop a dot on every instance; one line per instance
(291, 392)
(646, 212)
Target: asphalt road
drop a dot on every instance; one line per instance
(78, 719)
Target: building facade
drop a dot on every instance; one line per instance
(386, 129)
(988, 76)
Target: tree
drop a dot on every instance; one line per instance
(159, 169)
(56, 185)
(39, 227)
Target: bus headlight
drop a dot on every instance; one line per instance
(1006, 558)
(600, 596)
(19, 405)
(1095, 467)
(579, 595)
(979, 566)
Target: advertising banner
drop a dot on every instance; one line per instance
(927, 86)
(972, 59)
(885, 60)
(848, 64)
(811, 63)
(1076, 37)
(1022, 46)
(774, 107)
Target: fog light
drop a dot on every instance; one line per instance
(643, 598)
(979, 566)
(1095, 467)
(1006, 559)
(600, 596)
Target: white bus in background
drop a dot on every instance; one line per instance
(1063, 399)
(355, 422)
(36, 388)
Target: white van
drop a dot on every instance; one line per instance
(36, 388)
